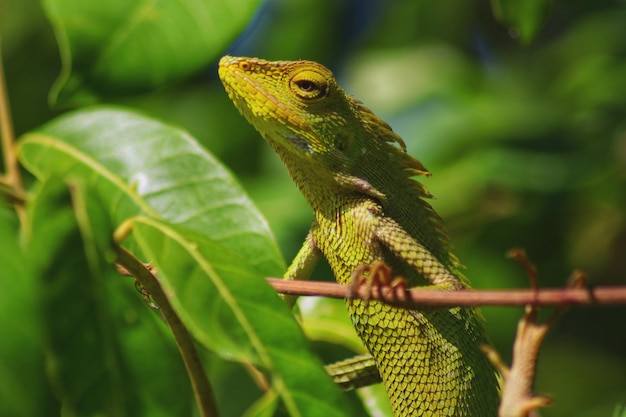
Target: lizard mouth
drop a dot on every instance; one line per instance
(232, 74)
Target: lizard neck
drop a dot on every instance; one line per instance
(317, 183)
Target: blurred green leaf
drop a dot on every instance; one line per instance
(125, 46)
(265, 406)
(23, 388)
(139, 165)
(525, 18)
(326, 320)
(230, 309)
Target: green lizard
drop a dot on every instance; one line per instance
(355, 173)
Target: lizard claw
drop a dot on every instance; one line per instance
(378, 281)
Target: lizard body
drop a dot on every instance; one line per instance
(355, 173)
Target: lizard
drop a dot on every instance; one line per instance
(369, 208)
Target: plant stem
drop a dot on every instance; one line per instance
(199, 381)
(12, 177)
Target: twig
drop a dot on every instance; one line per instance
(200, 383)
(415, 297)
(12, 177)
(518, 397)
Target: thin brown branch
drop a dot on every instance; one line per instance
(12, 177)
(199, 381)
(416, 297)
(519, 255)
(518, 397)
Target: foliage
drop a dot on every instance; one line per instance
(517, 107)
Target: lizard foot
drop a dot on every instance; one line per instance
(378, 282)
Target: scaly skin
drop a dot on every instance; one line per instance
(356, 175)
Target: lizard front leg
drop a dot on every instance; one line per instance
(303, 264)
(417, 256)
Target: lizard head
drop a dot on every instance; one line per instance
(313, 125)
(297, 106)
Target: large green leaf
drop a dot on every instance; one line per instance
(230, 309)
(139, 165)
(105, 351)
(122, 46)
(23, 388)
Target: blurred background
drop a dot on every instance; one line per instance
(517, 108)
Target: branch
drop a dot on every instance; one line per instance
(200, 383)
(518, 397)
(413, 298)
(12, 178)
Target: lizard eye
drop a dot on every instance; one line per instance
(306, 86)
(309, 85)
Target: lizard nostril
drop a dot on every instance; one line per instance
(244, 66)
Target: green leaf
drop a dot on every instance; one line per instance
(525, 18)
(105, 352)
(23, 388)
(142, 166)
(232, 310)
(264, 407)
(325, 320)
(83, 361)
(125, 46)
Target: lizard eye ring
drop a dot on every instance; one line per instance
(309, 85)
